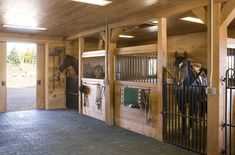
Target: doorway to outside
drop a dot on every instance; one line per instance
(21, 76)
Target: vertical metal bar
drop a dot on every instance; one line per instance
(146, 69)
(167, 126)
(230, 122)
(128, 64)
(204, 120)
(172, 113)
(191, 119)
(156, 67)
(200, 117)
(174, 104)
(196, 117)
(138, 67)
(179, 117)
(188, 120)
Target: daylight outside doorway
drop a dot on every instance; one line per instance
(21, 76)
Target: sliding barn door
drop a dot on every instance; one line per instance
(3, 88)
(40, 95)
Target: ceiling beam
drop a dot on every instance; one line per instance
(18, 37)
(201, 13)
(115, 34)
(228, 13)
(170, 9)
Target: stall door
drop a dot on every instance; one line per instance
(3, 89)
(40, 96)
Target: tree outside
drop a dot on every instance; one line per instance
(21, 76)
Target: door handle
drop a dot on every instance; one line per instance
(39, 82)
(3, 83)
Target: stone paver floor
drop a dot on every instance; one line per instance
(21, 99)
(68, 133)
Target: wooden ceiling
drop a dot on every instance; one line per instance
(66, 17)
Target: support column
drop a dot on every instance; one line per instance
(40, 90)
(215, 112)
(3, 77)
(80, 71)
(162, 62)
(109, 78)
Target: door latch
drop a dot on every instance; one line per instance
(39, 82)
(3, 83)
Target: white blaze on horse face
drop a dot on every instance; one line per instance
(180, 65)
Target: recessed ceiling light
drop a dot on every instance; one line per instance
(23, 27)
(126, 36)
(95, 2)
(155, 21)
(192, 19)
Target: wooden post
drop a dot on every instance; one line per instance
(46, 76)
(110, 47)
(109, 101)
(215, 137)
(162, 62)
(3, 88)
(80, 71)
(40, 97)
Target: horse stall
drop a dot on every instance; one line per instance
(136, 88)
(136, 91)
(92, 75)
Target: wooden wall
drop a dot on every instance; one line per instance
(55, 96)
(135, 119)
(89, 106)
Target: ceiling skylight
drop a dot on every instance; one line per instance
(126, 36)
(192, 19)
(23, 27)
(95, 2)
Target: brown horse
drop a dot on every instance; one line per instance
(69, 61)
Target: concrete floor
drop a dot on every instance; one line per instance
(68, 133)
(21, 99)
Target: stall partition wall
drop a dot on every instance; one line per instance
(3, 89)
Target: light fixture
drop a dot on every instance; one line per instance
(23, 27)
(155, 21)
(95, 2)
(192, 19)
(126, 36)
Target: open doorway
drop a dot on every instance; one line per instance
(21, 76)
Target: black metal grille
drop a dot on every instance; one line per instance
(231, 58)
(184, 115)
(229, 123)
(141, 67)
(72, 93)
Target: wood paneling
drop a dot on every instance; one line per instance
(66, 17)
(54, 95)
(134, 119)
(3, 89)
(91, 108)
(40, 93)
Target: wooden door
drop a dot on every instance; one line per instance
(3, 89)
(40, 93)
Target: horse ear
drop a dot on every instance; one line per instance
(176, 53)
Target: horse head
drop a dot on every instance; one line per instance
(180, 64)
(68, 61)
(63, 63)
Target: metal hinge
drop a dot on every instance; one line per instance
(223, 125)
(223, 151)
